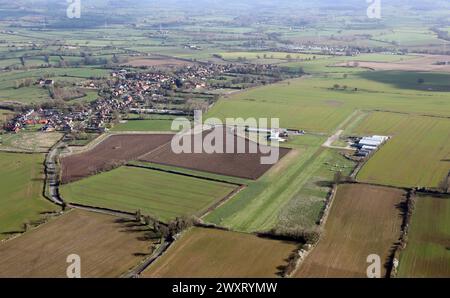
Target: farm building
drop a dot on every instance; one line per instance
(368, 144)
(373, 141)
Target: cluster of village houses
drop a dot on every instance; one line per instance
(129, 92)
(89, 119)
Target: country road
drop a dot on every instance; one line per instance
(51, 174)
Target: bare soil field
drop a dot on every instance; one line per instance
(216, 253)
(39, 142)
(114, 150)
(363, 220)
(108, 247)
(243, 165)
(157, 62)
(421, 63)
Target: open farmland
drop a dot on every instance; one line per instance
(21, 187)
(363, 220)
(435, 63)
(144, 125)
(35, 93)
(291, 194)
(427, 252)
(156, 193)
(417, 143)
(108, 247)
(157, 62)
(243, 165)
(321, 103)
(217, 253)
(115, 150)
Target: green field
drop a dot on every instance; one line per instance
(314, 104)
(418, 153)
(35, 93)
(156, 193)
(144, 125)
(291, 194)
(427, 251)
(269, 57)
(21, 187)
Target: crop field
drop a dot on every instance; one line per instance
(417, 143)
(268, 57)
(217, 253)
(108, 247)
(157, 62)
(21, 188)
(29, 141)
(321, 103)
(427, 251)
(162, 195)
(363, 220)
(114, 150)
(293, 199)
(144, 125)
(243, 165)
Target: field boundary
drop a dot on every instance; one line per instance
(396, 246)
(149, 167)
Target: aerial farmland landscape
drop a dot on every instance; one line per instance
(190, 139)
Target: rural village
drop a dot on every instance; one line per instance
(89, 171)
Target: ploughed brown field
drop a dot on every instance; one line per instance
(204, 252)
(108, 247)
(112, 151)
(243, 165)
(363, 220)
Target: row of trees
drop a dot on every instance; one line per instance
(164, 231)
